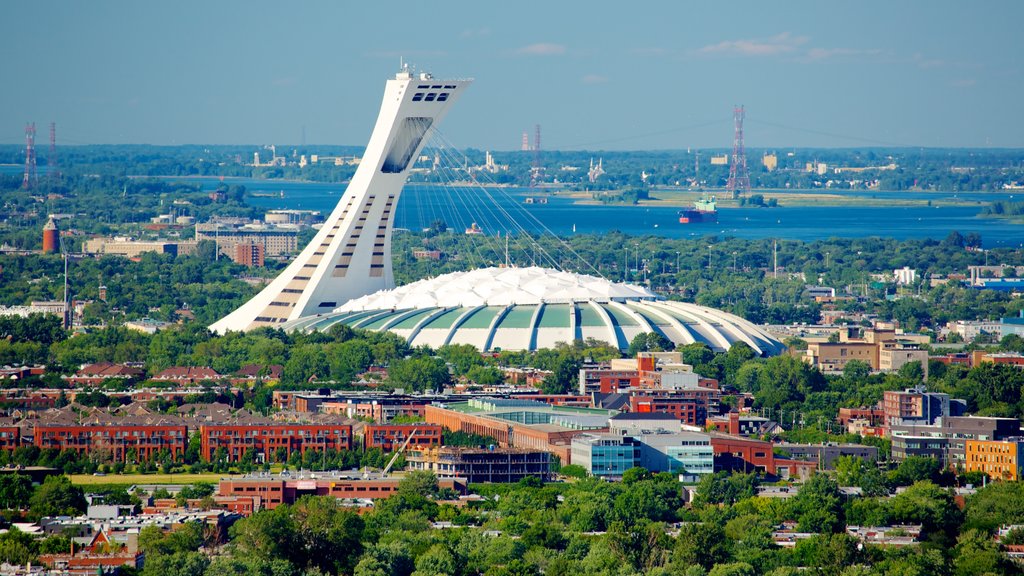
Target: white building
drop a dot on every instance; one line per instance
(971, 329)
(904, 276)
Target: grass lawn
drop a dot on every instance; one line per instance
(130, 479)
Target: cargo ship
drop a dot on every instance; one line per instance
(703, 211)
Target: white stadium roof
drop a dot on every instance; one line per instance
(531, 308)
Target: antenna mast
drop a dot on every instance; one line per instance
(31, 178)
(739, 177)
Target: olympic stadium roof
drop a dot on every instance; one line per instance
(531, 308)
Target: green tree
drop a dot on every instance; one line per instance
(564, 377)
(419, 374)
(306, 363)
(819, 505)
(977, 553)
(649, 342)
(15, 491)
(55, 497)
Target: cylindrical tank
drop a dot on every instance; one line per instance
(51, 238)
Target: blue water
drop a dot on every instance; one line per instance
(420, 205)
(490, 208)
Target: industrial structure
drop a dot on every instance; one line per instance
(739, 176)
(51, 237)
(31, 178)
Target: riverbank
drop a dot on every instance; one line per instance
(796, 198)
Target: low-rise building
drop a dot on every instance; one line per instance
(121, 440)
(96, 374)
(606, 455)
(390, 437)
(827, 454)
(742, 454)
(476, 465)
(187, 375)
(271, 441)
(687, 453)
(946, 439)
(743, 425)
(269, 492)
(1000, 459)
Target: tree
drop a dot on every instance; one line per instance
(573, 471)
(819, 505)
(700, 543)
(15, 491)
(461, 357)
(856, 371)
(977, 553)
(649, 342)
(17, 547)
(437, 561)
(306, 363)
(565, 376)
(915, 469)
(995, 505)
(419, 373)
(57, 497)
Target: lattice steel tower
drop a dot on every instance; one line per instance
(739, 176)
(31, 178)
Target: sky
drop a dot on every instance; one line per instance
(595, 75)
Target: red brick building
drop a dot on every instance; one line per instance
(266, 439)
(381, 410)
(269, 493)
(689, 411)
(390, 437)
(10, 438)
(95, 374)
(251, 255)
(873, 416)
(187, 375)
(34, 401)
(747, 455)
(119, 439)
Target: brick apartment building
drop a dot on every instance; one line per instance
(268, 440)
(187, 375)
(10, 438)
(96, 374)
(691, 411)
(390, 437)
(269, 493)
(146, 441)
(747, 455)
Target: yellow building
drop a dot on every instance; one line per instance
(1000, 459)
(722, 160)
(770, 162)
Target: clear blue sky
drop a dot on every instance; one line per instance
(595, 75)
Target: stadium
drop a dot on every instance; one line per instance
(345, 274)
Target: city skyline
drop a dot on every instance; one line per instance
(597, 77)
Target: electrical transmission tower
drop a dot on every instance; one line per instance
(739, 177)
(31, 178)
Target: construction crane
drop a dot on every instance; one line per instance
(394, 458)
